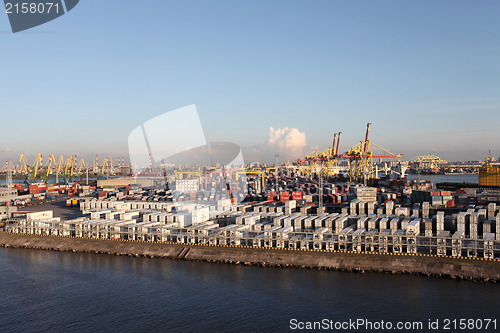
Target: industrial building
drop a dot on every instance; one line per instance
(489, 176)
(7, 194)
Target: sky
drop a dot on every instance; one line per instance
(273, 76)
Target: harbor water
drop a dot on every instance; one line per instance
(45, 291)
(469, 178)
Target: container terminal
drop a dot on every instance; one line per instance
(327, 201)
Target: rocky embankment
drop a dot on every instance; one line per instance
(466, 269)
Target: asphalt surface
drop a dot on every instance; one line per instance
(58, 207)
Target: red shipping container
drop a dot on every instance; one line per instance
(435, 194)
(271, 196)
(450, 204)
(297, 196)
(284, 196)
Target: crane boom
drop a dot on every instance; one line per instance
(334, 145)
(338, 144)
(366, 143)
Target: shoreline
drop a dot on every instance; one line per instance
(477, 269)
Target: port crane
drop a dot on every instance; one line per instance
(37, 165)
(23, 164)
(104, 166)
(30, 171)
(81, 166)
(66, 167)
(322, 162)
(51, 165)
(360, 156)
(69, 167)
(427, 162)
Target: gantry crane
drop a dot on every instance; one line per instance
(361, 167)
(322, 162)
(427, 162)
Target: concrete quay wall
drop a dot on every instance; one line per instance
(455, 268)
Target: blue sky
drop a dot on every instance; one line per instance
(425, 73)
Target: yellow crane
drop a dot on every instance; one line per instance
(361, 167)
(51, 165)
(105, 164)
(427, 162)
(81, 165)
(37, 164)
(324, 162)
(60, 165)
(24, 164)
(69, 166)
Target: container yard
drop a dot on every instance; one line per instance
(328, 201)
(362, 226)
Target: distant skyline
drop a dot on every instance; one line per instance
(271, 76)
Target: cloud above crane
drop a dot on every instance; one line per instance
(288, 143)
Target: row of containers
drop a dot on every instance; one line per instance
(462, 197)
(134, 193)
(52, 189)
(327, 198)
(435, 198)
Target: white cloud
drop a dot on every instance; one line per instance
(288, 143)
(6, 150)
